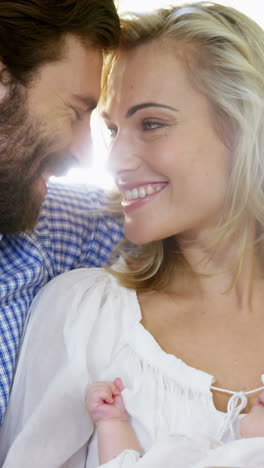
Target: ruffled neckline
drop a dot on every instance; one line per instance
(144, 344)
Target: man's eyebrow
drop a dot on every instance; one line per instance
(132, 110)
(87, 101)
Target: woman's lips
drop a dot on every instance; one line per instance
(136, 195)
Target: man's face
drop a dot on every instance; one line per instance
(44, 130)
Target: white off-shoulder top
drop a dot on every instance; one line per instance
(85, 327)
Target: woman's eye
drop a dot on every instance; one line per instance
(152, 125)
(112, 131)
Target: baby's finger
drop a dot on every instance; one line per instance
(107, 396)
(103, 392)
(119, 384)
(115, 389)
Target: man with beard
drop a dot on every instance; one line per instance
(50, 69)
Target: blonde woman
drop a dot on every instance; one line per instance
(180, 319)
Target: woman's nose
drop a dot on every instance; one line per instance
(123, 155)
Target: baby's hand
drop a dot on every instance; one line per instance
(104, 401)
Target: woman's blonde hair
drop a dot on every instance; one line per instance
(224, 51)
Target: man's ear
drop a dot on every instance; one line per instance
(5, 80)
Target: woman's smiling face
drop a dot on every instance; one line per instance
(168, 161)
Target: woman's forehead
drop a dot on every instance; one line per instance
(145, 73)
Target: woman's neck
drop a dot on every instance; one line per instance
(216, 272)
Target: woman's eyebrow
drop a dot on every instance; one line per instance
(132, 110)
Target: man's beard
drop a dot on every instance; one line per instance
(25, 153)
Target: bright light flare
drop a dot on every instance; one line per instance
(97, 173)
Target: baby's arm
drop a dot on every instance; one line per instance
(114, 433)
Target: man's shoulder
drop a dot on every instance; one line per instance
(74, 230)
(65, 197)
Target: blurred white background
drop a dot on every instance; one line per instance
(97, 173)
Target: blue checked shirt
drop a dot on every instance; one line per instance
(66, 236)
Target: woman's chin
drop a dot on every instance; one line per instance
(139, 237)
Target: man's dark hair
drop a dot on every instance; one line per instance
(32, 31)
